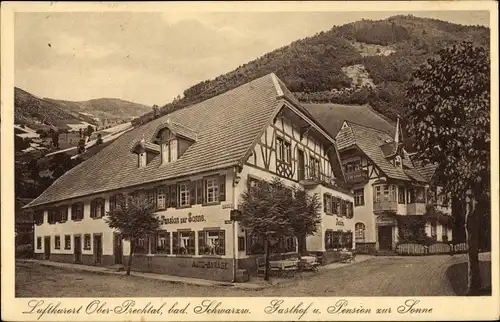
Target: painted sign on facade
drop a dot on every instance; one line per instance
(210, 264)
(181, 220)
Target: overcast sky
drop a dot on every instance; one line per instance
(150, 58)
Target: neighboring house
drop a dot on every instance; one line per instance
(194, 164)
(389, 189)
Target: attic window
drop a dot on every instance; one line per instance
(140, 150)
(397, 161)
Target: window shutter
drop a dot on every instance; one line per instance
(201, 242)
(102, 207)
(175, 242)
(192, 193)
(173, 196)
(325, 197)
(222, 188)
(191, 242)
(222, 242)
(199, 191)
(92, 208)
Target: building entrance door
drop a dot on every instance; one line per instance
(78, 249)
(385, 237)
(117, 249)
(46, 245)
(98, 249)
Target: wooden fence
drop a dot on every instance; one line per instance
(413, 249)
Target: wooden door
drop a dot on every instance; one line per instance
(78, 249)
(46, 245)
(98, 249)
(118, 249)
(385, 237)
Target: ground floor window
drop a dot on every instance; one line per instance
(141, 246)
(444, 233)
(338, 239)
(57, 242)
(160, 244)
(285, 245)
(241, 243)
(360, 232)
(86, 241)
(211, 242)
(433, 229)
(67, 242)
(183, 242)
(255, 244)
(39, 243)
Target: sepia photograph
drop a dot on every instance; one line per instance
(170, 154)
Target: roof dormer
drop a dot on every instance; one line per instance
(140, 150)
(174, 139)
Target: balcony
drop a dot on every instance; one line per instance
(382, 206)
(416, 208)
(357, 176)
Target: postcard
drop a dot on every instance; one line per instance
(249, 161)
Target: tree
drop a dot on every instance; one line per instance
(133, 218)
(304, 216)
(449, 101)
(264, 214)
(156, 111)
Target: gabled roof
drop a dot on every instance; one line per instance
(177, 129)
(426, 171)
(226, 127)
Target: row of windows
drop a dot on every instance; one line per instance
(337, 206)
(284, 154)
(387, 192)
(255, 245)
(210, 190)
(67, 242)
(338, 239)
(210, 242)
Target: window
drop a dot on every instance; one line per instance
(392, 189)
(401, 195)
(86, 241)
(336, 206)
(444, 233)
(160, 198)
(151, 196)
(241, 243)
(67, 242)
(141, 245)
(360, 232)
(115, 201)
(284, 150)
(39, 243)
(97, 208)
(344, 207)
(397, 161)
(161, 243)
(314, 168)
(62, 213)
(141, 159)
(215, 189)
(378, 194)
(52, 215)
(352, 166)
(359, 197)
(433, 230)
(338, 239)
(350, 209)
(211, 242)
(183, 242)
(327, 203)
(77, 211)
(57, 242)
(386, 193)
(184, 200)
(286, 244)
(254, 244)
(38, 218)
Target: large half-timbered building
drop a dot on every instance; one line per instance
(194, 164)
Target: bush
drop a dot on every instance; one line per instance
(24, 251)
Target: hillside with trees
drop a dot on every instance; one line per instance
(314, 68)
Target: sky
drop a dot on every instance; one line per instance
(150, 58)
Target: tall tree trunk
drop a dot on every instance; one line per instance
(266, 256)
(472, 227)
(132, 248)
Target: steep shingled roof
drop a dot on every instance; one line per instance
(226, 127)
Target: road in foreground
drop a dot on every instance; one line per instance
(440, 275)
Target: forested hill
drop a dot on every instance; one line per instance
(364, 62)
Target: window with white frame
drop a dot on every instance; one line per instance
(359, 197)
(162, 243)
(284, 150)
(433, 230)
(401, 195)
(39, 243)
(184, 200)
(360, 232)
(212, 190)
(86, 241)
(211, 242)
(378, 194)
(397, 161)
(314, 168)
(57, 242)
(67, 242)
(160, 198)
